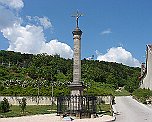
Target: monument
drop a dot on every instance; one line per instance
(76, 103)
(146, 70)
(76, 86)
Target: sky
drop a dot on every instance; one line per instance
(113, 30)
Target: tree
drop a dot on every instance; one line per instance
(20, 77)
(22, 104)
(132, 84)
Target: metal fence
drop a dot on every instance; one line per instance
(82, 106)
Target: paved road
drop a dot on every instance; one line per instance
(129, 110)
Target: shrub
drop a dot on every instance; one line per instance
(142, 94)
(4, 105)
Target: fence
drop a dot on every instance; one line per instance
(81, 106)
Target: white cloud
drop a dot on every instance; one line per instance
(106, 32)
(119, 55)
(13, 4)
(7, 18)
(43, 21)
(29, 38)
(29, 18)
(56, 47)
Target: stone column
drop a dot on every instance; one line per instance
(76, 86)
(77, 56)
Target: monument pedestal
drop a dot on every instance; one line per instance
(76, 89)
(76, 98)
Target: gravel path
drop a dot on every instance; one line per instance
(129, 110)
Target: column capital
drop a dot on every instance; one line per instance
(77, 31)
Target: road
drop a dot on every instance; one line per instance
(129, 110)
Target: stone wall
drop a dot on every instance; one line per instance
(47, 100)
(104, 99)
(30, 100)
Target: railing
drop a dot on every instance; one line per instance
(82, 106)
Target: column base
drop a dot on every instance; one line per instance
(76, 89)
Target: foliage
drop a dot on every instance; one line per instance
(142, 94)
(132, 84)
(99, 89)
(4, 106)
(22, 104)
(24, 74)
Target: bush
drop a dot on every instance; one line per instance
(4, 106)
(142, 94)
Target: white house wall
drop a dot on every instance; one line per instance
(147, 80)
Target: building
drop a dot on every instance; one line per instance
(146, 70)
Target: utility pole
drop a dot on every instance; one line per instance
(38, 91)
(52, 84)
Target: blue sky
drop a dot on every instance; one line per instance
(113, 30)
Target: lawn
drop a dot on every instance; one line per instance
(122, 92)
(105, 109)
(15, 111)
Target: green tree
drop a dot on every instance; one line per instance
(22, 104)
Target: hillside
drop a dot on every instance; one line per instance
(24, 74)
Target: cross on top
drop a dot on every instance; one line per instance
(77, 15)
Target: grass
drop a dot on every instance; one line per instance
(122, 92)
(15, 111)
(104, 109)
